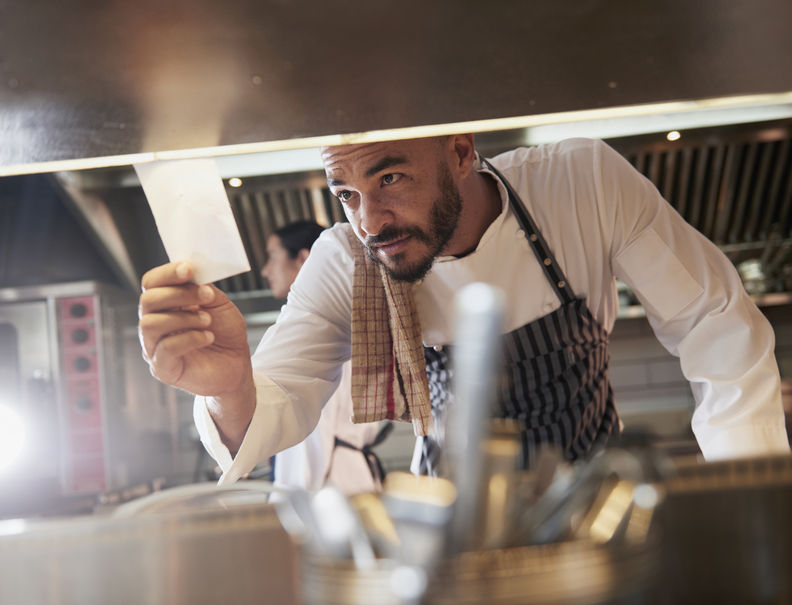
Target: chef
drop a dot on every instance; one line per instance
(552, 227)
(337, 451)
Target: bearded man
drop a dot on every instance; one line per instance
(552, 227)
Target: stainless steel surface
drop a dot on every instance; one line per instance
(577, 572)
(239, 556)
(85, 80)
(569, 572)
(327, 581)
(198, 496)
(92, 211)
(421, 508)
(562, 510)
(502, 457)
(28, 370)
(728, 532)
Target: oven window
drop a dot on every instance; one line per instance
(9, 365)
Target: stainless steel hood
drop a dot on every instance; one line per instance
(86, 84)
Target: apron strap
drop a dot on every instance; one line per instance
(373, 461)
(538, 244)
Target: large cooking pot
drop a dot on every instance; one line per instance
(188, 546)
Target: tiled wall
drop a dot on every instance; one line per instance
(649, 388)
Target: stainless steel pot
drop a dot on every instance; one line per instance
(578, 572)
(181, 556)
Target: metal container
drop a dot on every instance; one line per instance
(728, 529)
(578, 572)
(239, 555)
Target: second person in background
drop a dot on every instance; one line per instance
(337, 451)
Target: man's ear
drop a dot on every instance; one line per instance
(302, 256)
(462, 154)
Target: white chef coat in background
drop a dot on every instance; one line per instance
(316, 460)
(601, 219)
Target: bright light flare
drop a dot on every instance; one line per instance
(235, 182)
(12, 436)
(673, 135)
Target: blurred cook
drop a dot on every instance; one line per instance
(337, 451)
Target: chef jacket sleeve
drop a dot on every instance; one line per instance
(297, 365)
(699, 311)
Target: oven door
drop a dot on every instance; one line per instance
(29, 457)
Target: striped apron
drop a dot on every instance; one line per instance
(553, 372)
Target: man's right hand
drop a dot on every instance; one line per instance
(194, 338)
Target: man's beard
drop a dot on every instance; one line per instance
(443, 220)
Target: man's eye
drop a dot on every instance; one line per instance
(389, 179)
(344, 196)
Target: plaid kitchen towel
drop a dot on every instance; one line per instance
(388, 366)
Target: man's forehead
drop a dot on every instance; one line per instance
(341, 158)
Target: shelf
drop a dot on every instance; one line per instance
(772, 299)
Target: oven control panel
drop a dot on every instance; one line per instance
(85, 437)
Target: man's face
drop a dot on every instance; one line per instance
(400, 199)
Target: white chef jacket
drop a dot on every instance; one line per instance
(317, 460)
(601, 220)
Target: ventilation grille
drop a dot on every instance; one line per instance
(734, 188)
(265, 204)
(733, 184)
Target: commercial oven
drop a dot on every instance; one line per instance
(82, 414)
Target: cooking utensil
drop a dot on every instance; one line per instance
(569, 498)
(340, 527)
(420, 508)
(479, 309)
(502, 453)
(378, 524)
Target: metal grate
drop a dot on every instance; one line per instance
(733, 184)
(735, 187)
(263, 205)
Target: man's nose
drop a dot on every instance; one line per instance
(374, 215)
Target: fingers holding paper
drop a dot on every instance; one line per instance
(196, 223)
(193, 337)
(155, 326)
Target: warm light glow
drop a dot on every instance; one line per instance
(673, 135)
(410, 132)
(235, 182)
(12, 435)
